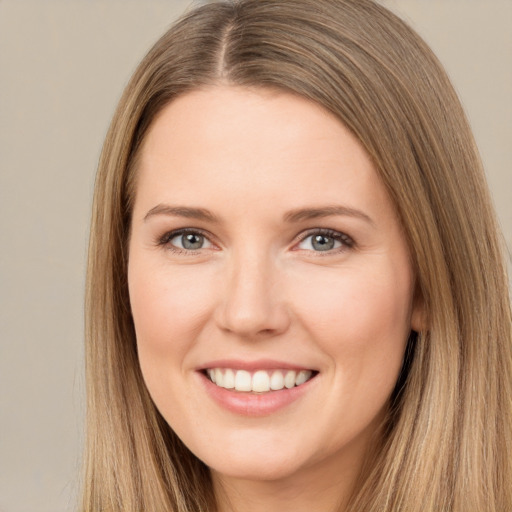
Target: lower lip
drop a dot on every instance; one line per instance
(254, 404)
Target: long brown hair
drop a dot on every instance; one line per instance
(448, 442)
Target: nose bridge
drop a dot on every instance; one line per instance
(252, 303)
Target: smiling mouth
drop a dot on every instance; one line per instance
(260, 381)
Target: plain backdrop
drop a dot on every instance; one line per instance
(63, 65)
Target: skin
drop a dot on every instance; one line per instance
(259, 289)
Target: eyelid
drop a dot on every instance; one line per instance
(165, 239)
(347, 242)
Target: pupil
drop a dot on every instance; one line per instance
(192, 241)
(323, 243)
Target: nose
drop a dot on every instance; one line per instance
(252, 304)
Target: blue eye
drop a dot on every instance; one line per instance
(325, 240)
(187, 240)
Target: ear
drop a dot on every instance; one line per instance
(419, 321)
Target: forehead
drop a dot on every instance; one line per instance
(254, 145)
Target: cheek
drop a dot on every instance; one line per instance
(169, 309)
(361, 318)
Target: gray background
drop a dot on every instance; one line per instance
(63, 65)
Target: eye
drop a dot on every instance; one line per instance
(325, 240)
(186, 240)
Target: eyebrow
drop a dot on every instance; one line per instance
(297, 215)
(301, 214)
(181, 211)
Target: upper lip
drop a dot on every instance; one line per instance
(259, 364)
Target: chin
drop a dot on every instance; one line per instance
(256, 465)
(262, 471)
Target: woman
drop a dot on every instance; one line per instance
(296, 293)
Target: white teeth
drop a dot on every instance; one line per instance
(302, 377)
(219, 377)
(289, 379)
(243, 381)
(277, 381)
(260, 381)
(229, 379)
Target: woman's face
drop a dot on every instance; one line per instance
(265, 254)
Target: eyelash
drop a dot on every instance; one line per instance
(346, 241)
(165, 240)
